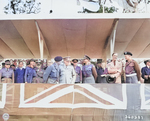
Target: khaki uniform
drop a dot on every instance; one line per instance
(112, 70)
(67, 74)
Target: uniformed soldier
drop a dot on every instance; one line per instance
(88, 71)
(19, 73)
(146, 71)
(101, 72)
(30, 72)
(67, 72)
(39, 71)
(7, 74)
(115, 68)
(132, 69)
(51, 74)
(77, 70)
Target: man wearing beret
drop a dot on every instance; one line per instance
(132, 69)
(146, 71)
(115, 68)
(7, 74)
(51, 74)
(67, 72)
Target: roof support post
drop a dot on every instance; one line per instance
(42, 43)
(111, 41)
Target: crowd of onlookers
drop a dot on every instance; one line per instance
(67, 71)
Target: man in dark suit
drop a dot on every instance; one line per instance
(19, 73)
(146, 71)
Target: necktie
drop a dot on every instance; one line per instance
(114, 63)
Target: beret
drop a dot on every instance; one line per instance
(127, 53)
(58, 58)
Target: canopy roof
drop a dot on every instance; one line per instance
(73, 37)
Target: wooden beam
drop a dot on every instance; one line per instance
(111, 40)
(42, 43)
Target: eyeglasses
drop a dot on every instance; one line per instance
(7, 64)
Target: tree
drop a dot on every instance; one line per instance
(22, 6)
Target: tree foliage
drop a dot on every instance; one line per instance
(22, 7)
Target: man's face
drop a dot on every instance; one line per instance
(32, 63)
(49, 63)
(13, 67)
(75, 63)
(103, 64)
(20, 64)
(86, 60)
(67, 62)
(99, 64)
(127, 57)
(7, 65)
(115, 56)
(148, 63)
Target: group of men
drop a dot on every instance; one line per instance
(64, 70)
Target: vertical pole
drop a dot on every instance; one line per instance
(40, 41)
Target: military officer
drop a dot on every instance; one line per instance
(7, 74)
(19, 73)
(89, 71)
(39, 71)
(132, 69)
(146, 71)
(101, 72)
(77, 70)
(51, 74)
(30, 72)
(115, 68)
(67, 72)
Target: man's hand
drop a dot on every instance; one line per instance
(112, 76)
(146, 76)
(26, 82)
(104, 75)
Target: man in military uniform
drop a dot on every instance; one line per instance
(39, 71)
(115, 68)
(77, 70)
(146, 71)
(51, 74)
(7, 74)
(132, 69)
(67, 72)
(30, 72)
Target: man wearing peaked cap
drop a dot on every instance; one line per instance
(7, 74)
(78, 71)
(132, 69)
(89, 71)
(146, 71)
(67, 72)
(128, 53)
(86, 57)
(51, 74)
